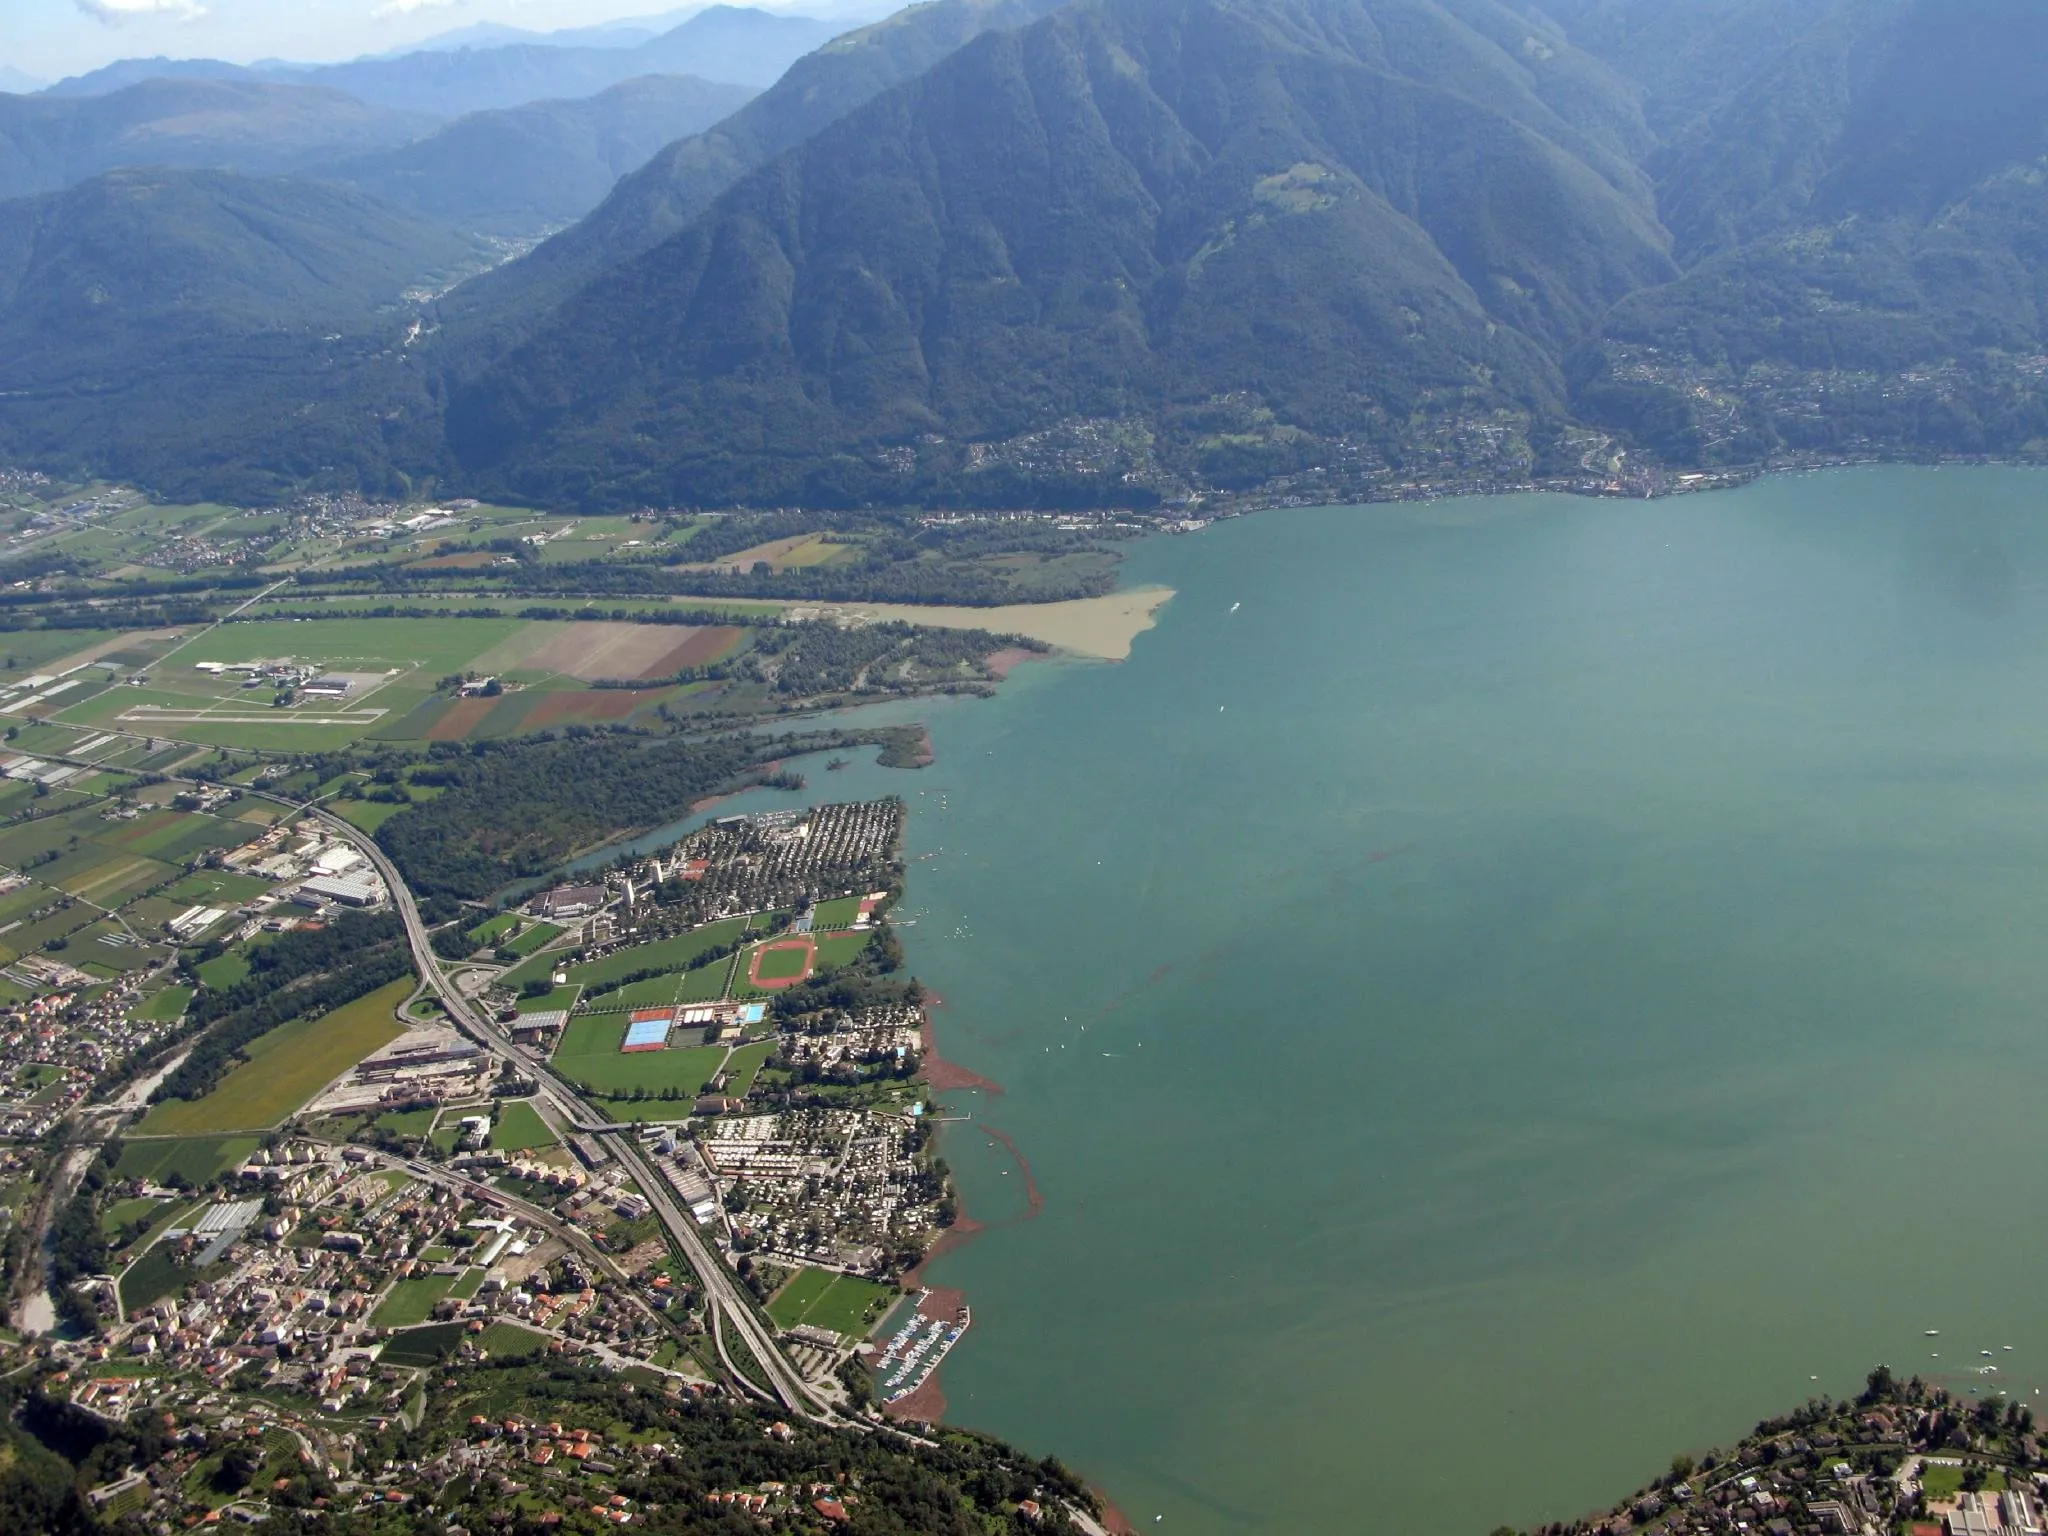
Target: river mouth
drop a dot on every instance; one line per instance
(1488, 998)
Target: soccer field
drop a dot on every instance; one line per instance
(823, 1298)
(590, 1057)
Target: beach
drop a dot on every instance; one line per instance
(1100, 627)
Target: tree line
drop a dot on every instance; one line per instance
(514, 809)
(307, 971)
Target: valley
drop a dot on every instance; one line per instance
(575, 604)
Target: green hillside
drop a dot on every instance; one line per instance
(1123, 254)
(680, 182)
(165, 324)
(1344, 214)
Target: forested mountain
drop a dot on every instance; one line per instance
(1137, 208)
(48, 143)
(735, 44)
(525, 170)
(1856, 190)
(189, 326)
(992, 252)
(679, 183)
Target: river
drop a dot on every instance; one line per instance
(1495, 993)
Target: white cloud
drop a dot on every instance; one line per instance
(392, 8)
(114, 12)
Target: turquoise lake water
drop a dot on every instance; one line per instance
(1496, 993)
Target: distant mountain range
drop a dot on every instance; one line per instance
(523, 169)
(517, 172)
(48, 143)
(15, 81)
(628, 31)
(995, 252)
(732, 44)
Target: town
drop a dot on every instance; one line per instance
(665, 1122)
(1904, 1457)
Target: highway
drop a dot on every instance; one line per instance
(723, 1292)
(722, 1288)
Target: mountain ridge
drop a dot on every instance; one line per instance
(1116, 175)
(1116, 253)
(680, 181)
(729, 44)
(255, 127)
(203, 329)
(522, 171)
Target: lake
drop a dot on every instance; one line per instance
(1492, 994)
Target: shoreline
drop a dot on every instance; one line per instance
(1634, 482)
(940, 1074)
(1101, 628)
(1002, 663)
(928, 1404)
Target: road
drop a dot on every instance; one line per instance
(722, 1284)
(722, 1288)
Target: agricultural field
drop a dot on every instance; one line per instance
(90, 858)
(286, 1067)
(365, 815)
(152, 1277)
(586, 651)
(121, 1212)
(224, 970)
(423, 1346)
(543, 667)
(25, 653)
(522, 710)
(803, 551)
(194, 1159)
(824, 1298)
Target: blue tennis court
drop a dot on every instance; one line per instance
(646, 1035)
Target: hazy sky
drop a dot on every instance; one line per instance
(53, 38)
